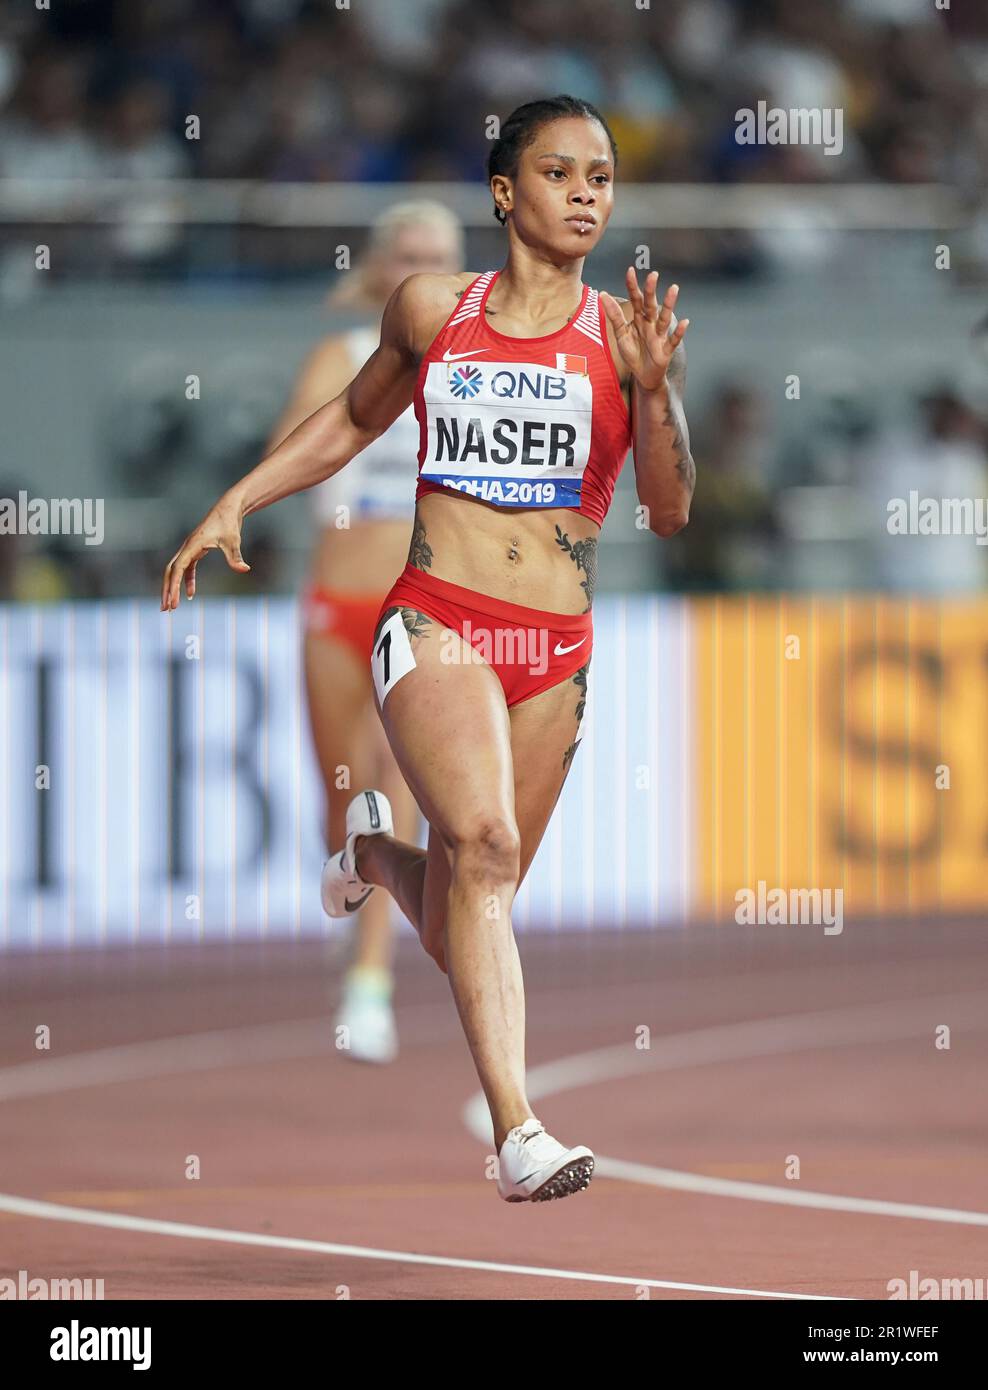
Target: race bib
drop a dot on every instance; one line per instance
(513, 433)
(392, 657)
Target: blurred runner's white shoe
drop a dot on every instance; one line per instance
(534, 1167)
(343, 890)
(365, 1012)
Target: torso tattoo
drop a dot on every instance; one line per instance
(419, 551)
(583, 553)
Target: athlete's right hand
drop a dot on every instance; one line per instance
(218, 530)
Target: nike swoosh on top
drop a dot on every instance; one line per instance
(352, 907)
(561, 651)
(455, 356)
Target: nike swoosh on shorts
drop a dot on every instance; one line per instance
(561, 651)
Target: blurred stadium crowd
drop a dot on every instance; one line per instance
(398, 91)
(302, 90)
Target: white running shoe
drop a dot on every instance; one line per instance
(343, 890)
(369, 1019)
(534, 1167)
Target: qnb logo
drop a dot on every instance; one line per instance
(466, 382)
(540, 386)
(75, 1343)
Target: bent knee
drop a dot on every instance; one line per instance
(488, 849)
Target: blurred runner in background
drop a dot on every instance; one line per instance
(365, 516)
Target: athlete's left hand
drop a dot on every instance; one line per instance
(644, 341)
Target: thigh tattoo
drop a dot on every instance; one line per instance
(580, 680)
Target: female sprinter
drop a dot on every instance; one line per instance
(529, 388)
(365, 521)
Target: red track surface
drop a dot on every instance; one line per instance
(296, 1141)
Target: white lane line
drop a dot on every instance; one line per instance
(735, 1042)
(782, 1196)
(187, 1052)
(201, 1051)
(236, 1047)
(166, 1056)
(84, 1216)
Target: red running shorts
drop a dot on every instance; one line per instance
(530, 650)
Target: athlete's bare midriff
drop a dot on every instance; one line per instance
(545, 558)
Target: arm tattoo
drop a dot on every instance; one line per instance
(676, 371)
(685, 466)
(584, 556)
(675, 419)
(419, 552)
